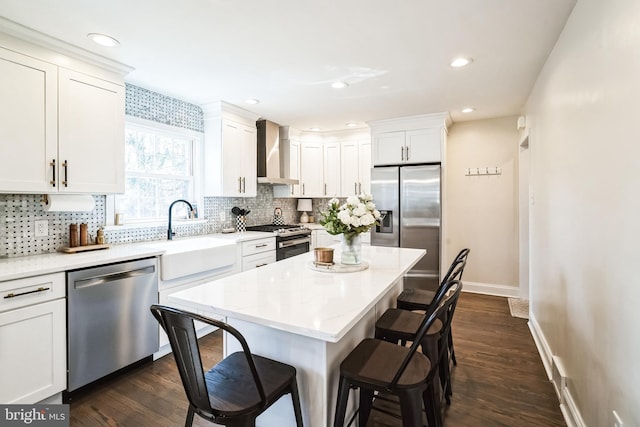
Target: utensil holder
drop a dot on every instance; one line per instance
(241, 224)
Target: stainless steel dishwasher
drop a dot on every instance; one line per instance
(108, 322)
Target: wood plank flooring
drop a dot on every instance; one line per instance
(499, 380)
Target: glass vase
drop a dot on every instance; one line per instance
(351, 249)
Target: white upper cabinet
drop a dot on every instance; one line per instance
(91, 134)
(61, 130)
(411, 140)
(311, 169)
(230, 151)
(28, 134)
(331, 169)
(356, 167)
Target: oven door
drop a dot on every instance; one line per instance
(288, 248)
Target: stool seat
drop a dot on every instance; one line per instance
(376, 362)
(396, 324)
(415, 299)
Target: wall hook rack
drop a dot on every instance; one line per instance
(483, 171)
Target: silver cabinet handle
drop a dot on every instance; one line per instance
(244, 188)
(303, 193)
(402, 153)
(261, 265)
(291, 189)
(262, 245)
(407, 156)
(359, 188)
(325, 189)
(355, 188)
(239, 184)
(65, 165)
(53, 177)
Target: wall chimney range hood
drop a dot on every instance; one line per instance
(269, 168)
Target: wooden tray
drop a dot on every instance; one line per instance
(68, 250)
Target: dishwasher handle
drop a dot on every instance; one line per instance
(112, 277)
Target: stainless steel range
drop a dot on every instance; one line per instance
(291, 240)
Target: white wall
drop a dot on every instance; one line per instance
(585, 158)
(482, 211)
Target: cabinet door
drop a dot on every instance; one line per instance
(349, 168)
(331, 169)
(364, 166)
(249, 161)
(28, 135)
(389, 148)
(33, 354)
(311, 172)
(91, 134)
(423, 146)
(231, 159)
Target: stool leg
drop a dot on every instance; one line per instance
(366, 402)
(188, 422)
(453, 353)
(295, 397)
(411, 408)
(341, 406)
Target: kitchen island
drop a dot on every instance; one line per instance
(306, 318)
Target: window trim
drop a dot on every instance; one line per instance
(198, 179)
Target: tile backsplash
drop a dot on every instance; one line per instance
(18, 213)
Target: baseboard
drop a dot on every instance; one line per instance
(568, 407)
(491, 289)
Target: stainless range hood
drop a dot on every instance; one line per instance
(269, 168)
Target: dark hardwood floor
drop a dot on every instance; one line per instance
(499, 380)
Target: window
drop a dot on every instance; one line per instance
(160, 167)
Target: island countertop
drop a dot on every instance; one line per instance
(290, 296)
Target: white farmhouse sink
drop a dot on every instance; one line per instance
(185, 257)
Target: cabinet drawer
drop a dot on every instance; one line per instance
(31, 290)
(258, 260)
(257, 246)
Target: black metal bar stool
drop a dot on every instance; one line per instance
(380, 366)
(236, 390)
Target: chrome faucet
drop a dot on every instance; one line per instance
(170, 233)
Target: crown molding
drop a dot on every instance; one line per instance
(25, 34)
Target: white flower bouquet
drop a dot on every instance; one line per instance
(356, 216)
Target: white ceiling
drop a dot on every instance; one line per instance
(393, 54)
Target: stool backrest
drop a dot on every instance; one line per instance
(179, 326)
(445, 299)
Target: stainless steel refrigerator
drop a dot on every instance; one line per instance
(408, 197)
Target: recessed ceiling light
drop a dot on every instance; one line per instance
(103, 39)
(351, 124)
(461, 62)
(315, 129)
(468, 110)
(339, 85)
(252, 101)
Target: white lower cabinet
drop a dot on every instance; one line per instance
(33, 349)
(258, 253)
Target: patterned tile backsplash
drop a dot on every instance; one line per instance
(18, 213)
(145, 104)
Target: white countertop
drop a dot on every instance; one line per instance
(289, 296)
(19, 267)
